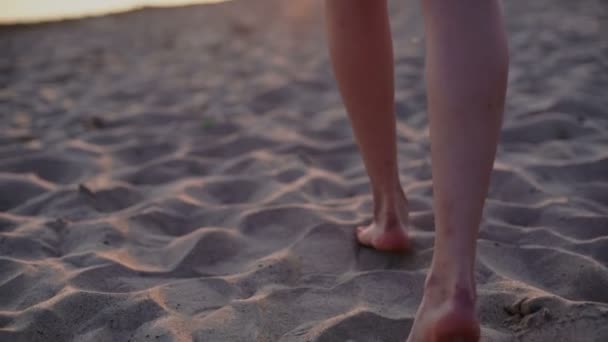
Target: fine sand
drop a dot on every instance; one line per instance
(190, 174)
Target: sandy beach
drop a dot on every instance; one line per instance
(189, 174)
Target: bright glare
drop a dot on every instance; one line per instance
(13, 11)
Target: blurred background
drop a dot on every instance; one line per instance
(20, 11)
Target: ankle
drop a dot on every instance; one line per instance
(390, 207)
(460, 287)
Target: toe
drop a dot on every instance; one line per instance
(363, 236)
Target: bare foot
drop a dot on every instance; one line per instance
(388, 232)
(384, 239)
(446, 316)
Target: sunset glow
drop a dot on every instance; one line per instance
(16, 11)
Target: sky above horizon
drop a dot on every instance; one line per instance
(19, 11)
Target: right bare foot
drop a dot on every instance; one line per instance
(388, 232)
(446, 316)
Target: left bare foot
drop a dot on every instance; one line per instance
(388, 232)
(390, 239)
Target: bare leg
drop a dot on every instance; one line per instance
(467, 66)
(362, 55)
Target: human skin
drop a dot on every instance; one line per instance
(466, 73)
